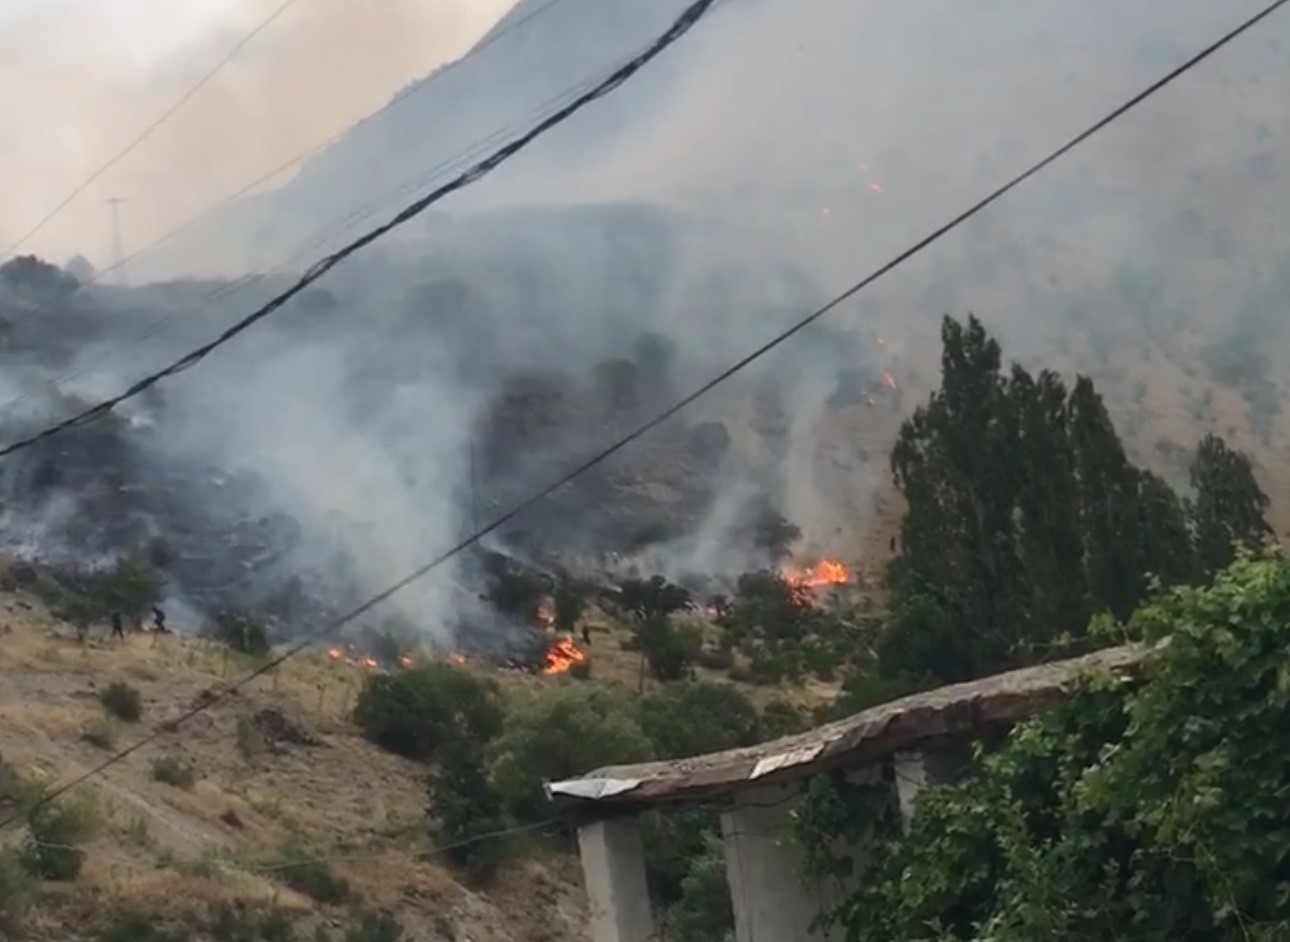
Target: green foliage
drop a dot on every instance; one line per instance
(375, 927)
(562, 733)
(703, 912)
(416, 712)
(243, 922)
(671, 650)
(465, 807)
(645, 598)
(174, 771)
(307, 873)
(128, 588)
(688, 719)
(135, 927)
(17, 892)
(779, 629)
(516, 592)
(243, 632)
(1149, 809)
(1024, 518)
(570, 600)
(1229, 508)
(55, 833)
(772, 533)
(122, 701)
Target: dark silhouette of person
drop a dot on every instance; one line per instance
(118, 626)
(586, 635)
(159, 621)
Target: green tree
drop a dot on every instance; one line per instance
(1229, 508)
(560, 734)
(1146, 808)
(670, 649)
(465, 807)
(689, 719)
(570, 600)
(418, 713)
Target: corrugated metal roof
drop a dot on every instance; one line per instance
(852, 742)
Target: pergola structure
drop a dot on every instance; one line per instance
(911, 742)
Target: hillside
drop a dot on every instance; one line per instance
(280, 771)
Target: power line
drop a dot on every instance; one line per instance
(679, 28)
(148, 131)
(412, 90)
(310, 243)
(687, 20)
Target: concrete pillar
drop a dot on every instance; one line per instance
(936, 763)
(613, 866)
(763, 869)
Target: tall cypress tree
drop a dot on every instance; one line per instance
(1229, 507)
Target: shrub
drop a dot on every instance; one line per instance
(135, 927)
(559, 734)
(375, 927)
(99, 735)
(581, 670)
(17, 891)
(704, 911)
(174, 771)
(414, 713)
(243, 632)
(671, 650)
(55, 832)
(465, 806)
(122, 701)
(128, 589)
(242, 923)
(688, 719)
(308, 873)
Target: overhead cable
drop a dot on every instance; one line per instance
(664, 415)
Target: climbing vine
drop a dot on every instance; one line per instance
(1149, 809)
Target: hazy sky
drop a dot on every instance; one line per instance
(80, 78)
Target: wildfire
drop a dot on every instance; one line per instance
(888, 380)
(562, 656)
(459, 659)
(826, 572)
(876, 188)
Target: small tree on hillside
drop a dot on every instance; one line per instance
(1229, 508)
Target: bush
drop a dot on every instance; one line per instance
(375, 927)
(465, 806)
(691, 718)
(174, 771)
(55, 832)
(99, 735)
(1149, 807)
(670, 650)
(17, 891)
(122, 701)
(704, 911)
(135, 927)
(308, 873)
(559, 734)
(244, 633)
(254, 923)
(128, 589)
(414, 713)
(581, 670)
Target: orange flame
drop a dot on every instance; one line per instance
(405, 660)
(562, 656)
(888, 380)
(459, 659)
(826, 572)
(335, 654)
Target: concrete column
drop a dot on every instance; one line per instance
(763, 869)
(613, 866)
(936, 763)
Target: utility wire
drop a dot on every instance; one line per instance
(414, 89)
(307, 246)
(687, 20)
(679, 28)
(147, 132)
